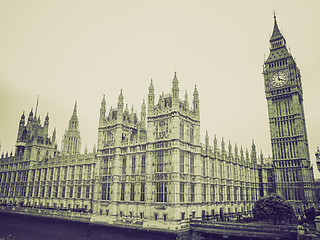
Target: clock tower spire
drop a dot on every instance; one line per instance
(293, 171)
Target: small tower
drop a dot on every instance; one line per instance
(175, 87)
(102, 112)
(196, 101)
(143, 115)
(71, 141)
(151, 99)
(120, 107)
(253, 153)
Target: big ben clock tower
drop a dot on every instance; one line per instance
(293, 171)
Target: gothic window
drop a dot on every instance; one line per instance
(45, 175)
(221, 194)
(65, 173)
(192, 188)
(159, 159)
(181, 131)
(124, 163)
(103, 192)
(87, 192)
(212, 194)
(228, 193)
(58, 174)
(212, 169)
(181, 161)
(142, 192)
(181, 192)
(132, 192)
(122, 191)
(143, 163)
(204, 192)
(235, 193)
(71, 192)
(63, 192)
(79, 192)
(72, 172)
(133, 166)
(80, 172)
(51, 173)
(191, 135)
(55, 191)
(161, 191)
(191, 163)
(204, 166)
(30, 191)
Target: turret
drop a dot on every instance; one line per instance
(120, 107)
(196, 101)
(143, 115)
(151, 98)
(102, 111)
(253, 153)
(207, 142)
(186, 101)
(46, 121)
(175, 88)
(30, 118)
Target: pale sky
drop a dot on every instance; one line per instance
(67, 51)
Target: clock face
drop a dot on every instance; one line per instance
(279, 78)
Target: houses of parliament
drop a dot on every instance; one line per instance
(153, 167)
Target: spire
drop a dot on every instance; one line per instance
(151, 98)
(46, 121)
(207, 140)
(75, 109)
(35, 114)
(195, 100)
(102, 111)
(276, 34)
(54, 135)
(186, 101)
(175, 87)
(253, 153)
(30, 116)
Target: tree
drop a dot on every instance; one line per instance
(272, 207)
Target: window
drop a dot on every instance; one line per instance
(124, 163)
(181, 131)
(228, 193)
(133, 166)
(58, 174)
(204, 192)
(63, 192)
(191, 163)
(235, 193)
(79, 192)
(161, 191)
(221, 194)
(159, 160)
(181, 161)
(142, 196)
(212, 169)
(104, 192)
(71, 192)
(80, 172)
(204, 166)
(132, 192)
(87, 191)
(156, 216)
(143, 163)
(183, 215)
(181, 192)
(191, 135)
(192, 192)
(212, 194)
(122, 191)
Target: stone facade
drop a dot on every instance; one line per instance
(154, 168)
